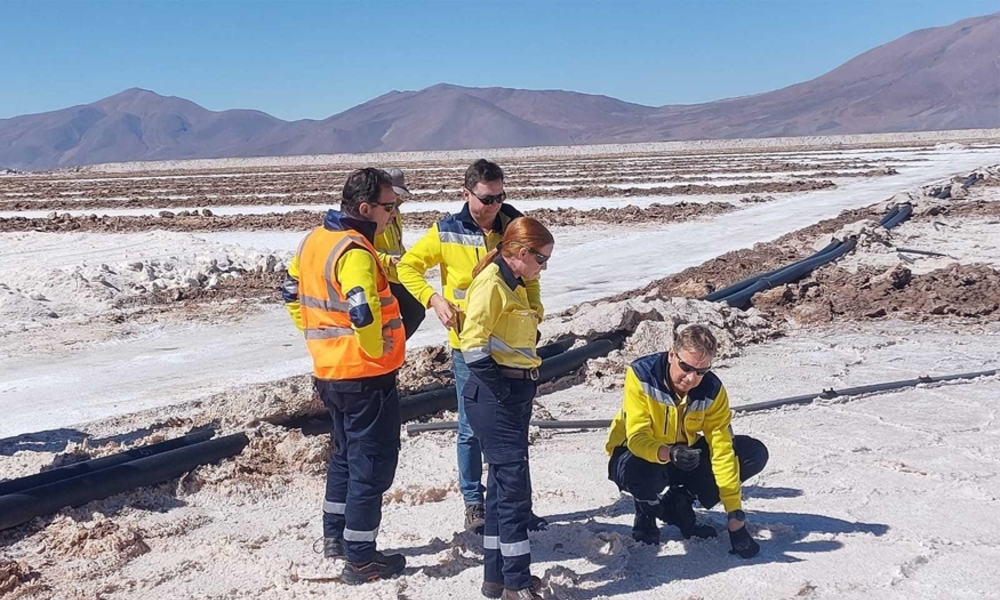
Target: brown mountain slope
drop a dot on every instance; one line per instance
(939, 78)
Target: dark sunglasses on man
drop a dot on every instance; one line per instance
(487, 200)
(689, 369)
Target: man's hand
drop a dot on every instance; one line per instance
(446, 312)
(684, 458)
(743, 544)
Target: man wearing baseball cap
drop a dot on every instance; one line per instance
(389, 246)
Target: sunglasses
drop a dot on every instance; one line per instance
(388, 206)
(689, 369)
(487, 200)
(540, 258)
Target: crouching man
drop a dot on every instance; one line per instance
(671, 443)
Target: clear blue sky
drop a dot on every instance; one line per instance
(314, 59)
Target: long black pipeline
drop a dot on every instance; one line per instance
(413, 428)
(96, 464)
(546, 351)
(789, 274)
(433, 401)
(736, 287)
(21, 507)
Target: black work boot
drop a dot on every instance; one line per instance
(493, 589)
(333, 547)
(644, 528)
(677, 508)
(475, 518)
(381, 567)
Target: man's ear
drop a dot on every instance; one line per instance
(365, 210)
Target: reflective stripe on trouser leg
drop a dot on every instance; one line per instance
(334, 508)
(514, 511)
(371, 429)
(492, 560)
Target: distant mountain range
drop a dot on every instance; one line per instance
(932, 79)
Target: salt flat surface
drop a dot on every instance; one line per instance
(595, 267)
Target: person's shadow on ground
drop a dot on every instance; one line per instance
(626, 566)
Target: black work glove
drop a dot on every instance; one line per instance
(743, 544)
(684, 458)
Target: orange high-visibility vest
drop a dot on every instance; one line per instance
(329, 335)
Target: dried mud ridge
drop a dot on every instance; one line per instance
(329, 197)
(963, 292)
(428, 176)
(304, 220)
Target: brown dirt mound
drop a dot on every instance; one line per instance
(273, 458)
(961, 292)
(105, 538)
(733, 267)
(654, 213)
(18, 579)
(327, 199)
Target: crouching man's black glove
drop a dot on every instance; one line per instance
(684, 458)
(743, 544)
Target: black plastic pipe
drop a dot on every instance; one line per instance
(904, 213)
(924, 252)
(21, 507)
(550, 424)
(889, 215)
(96, 464)
(737, 287)
(789, 274)
(856, 391)
(413, 428)
(434, 401)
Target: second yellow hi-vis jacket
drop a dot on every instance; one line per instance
(649, 419)
(499, 321)
(457, 244)
(389, 245)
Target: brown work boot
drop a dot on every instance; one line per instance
(525, 594)
(382, 566)
(494, 589)
(475, 518)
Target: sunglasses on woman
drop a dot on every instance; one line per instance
(487, 200)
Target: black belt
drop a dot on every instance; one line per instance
(513, 373)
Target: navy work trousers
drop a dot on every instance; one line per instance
(499, 414)
(645, 481)
(363, 464)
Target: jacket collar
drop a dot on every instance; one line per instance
(338, 221)
(465, 216)
(508, 275)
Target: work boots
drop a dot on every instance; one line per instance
(525, 594)
(644, 528)
(677, 508)
(492, 589)
(381, 567)
(333, 547)
(475, 518)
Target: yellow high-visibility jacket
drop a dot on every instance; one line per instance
(499, 321)
(389, 244)
(648, 420)
(355, 268)
(457, 244)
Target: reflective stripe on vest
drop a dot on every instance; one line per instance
(329, 333)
